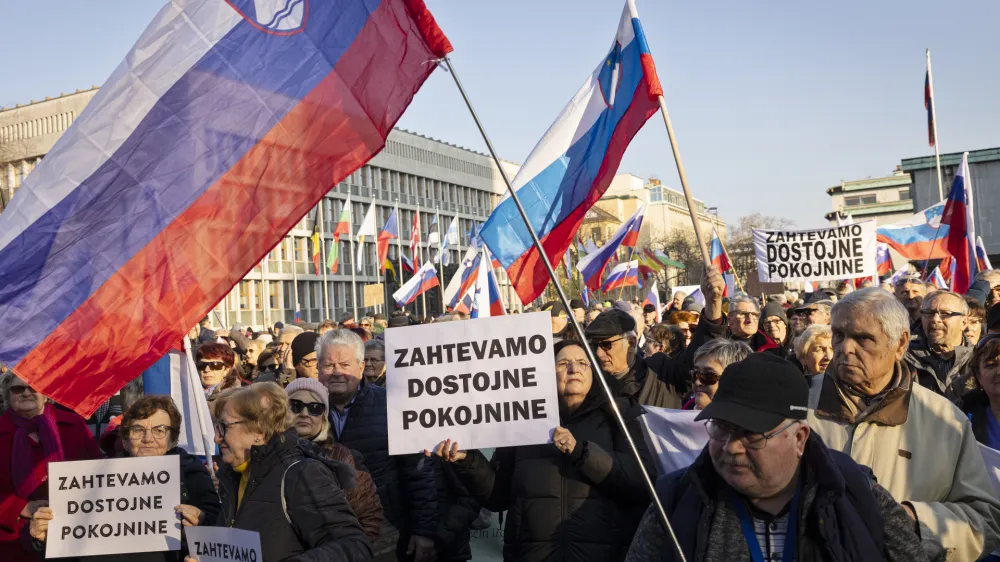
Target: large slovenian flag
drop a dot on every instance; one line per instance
(625, 274)
(920, 238)
(205, 146)
(592, 265)
(573, 164)
(424, 280)
(958, 215)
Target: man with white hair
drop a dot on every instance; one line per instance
(918, 444)
(406, 487)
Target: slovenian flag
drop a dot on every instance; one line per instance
(958, 215)
(214, 132)
(425, 279)
(625, 274)
(496, 303)
(593, 264)
(574, 163)
(937, 279)
(407, 264)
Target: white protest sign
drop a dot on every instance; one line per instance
(488, 382)
(223, 544)
(114, 506)
(674, 437)
(826, 254)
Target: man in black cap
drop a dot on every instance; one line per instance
(767, 488)
(579, 310)
(815, 311)
(304, 355)
(649, 315)
(612, 337)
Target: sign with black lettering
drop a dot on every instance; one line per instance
(488, 382)
(223, 544)
(826, 254)
(114, 506)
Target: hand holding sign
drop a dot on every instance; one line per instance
(564, 440)
(39, 528)
(447, 451)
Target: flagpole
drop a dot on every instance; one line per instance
(419, 251)
(264, 292)
(295, 276)
(598, 374)
(354, 278)
(321, 218)
(628, 266)
(399, 250)
(440, 269)
(684, 183)
(937, 153)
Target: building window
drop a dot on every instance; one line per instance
(859, 200)
(904, 195)
(656, 194)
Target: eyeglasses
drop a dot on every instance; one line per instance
(945, 314)
(211, 366)
(308, 362)
(725, 433)
(315, 409)
(607, 345)
(222, 428)
(159, 432)
(366, 325)
(775, 322)
(707, 378)
(20, 389)
(581, 364)
(745, 315)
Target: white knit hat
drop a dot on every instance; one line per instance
(312, 385)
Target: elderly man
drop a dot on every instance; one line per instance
(910, 291)
(304, 355)
(677, 303)
(405, 486)
(816, 311)
(741, 324)
(991, 276)
(767, 488)
(937, 353)
(283, 351)
(918, 444)
(613, 338)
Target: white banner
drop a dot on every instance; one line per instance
(114, 506)
(223, 544)
(488, 382)
(826, 254)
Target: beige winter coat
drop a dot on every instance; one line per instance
(921, 448)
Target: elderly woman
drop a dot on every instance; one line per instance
(982, 404)
(33, 434)
(269, 484)
(578, 498)
(814, 350)
(150, 428)
(309, 402)
(774, 324)
(709, 362)
(216, 364)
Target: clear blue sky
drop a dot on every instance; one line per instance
(772, 101)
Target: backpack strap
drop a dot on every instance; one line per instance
(284, 504)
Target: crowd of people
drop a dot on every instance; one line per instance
(842, 425)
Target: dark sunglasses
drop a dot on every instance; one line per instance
(213, 366)
(19, 389)
(706, 378)
(314, 408)
(607, 345)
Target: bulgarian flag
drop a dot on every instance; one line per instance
(343, 227)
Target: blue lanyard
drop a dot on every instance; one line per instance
(750, 534)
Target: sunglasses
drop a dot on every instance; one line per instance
(707, 378)
(315, 409)
(203, 366)
(607, 345)
(19, 389)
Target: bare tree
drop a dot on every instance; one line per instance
(740, 241)
(681, 246)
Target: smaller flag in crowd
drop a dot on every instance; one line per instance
(937, 279)
(958, 215)
(175, 375)
(593, 264)
(367, 229)
(315, 241)
(883, 260)
(415, 240)
(407, 264)
(982, 258)
(425, 279)
(389, 232)
(496, 303)
(625, 274)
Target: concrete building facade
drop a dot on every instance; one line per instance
(984, 168)
(886, 200)
(421, 175)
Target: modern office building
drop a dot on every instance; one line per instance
(434, 179)
(885, 200)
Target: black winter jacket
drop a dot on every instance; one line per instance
(579, 507)
(456, 512)
(323, 526)
(406, 483)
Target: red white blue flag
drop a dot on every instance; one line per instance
(424, 280)
(592, 265)
(625, 274)
(208, 143)
(958, 215)
(574, 163)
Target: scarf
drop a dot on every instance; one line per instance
(25, 476)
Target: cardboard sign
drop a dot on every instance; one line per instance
(374, 294)
(488, 382)
(826, 254)
(223, 544)
(114, 506)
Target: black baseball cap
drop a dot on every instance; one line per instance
(758, 393)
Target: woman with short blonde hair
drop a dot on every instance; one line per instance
(814, 350)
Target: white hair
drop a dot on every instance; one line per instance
(739, 298)
(810, 335)
(289, 330)
(885, 308)
(963, 306)
(340, 336)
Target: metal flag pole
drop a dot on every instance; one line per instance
(440, 268)
(399, 251)
(265, 291)
(684, 183)
(598, 374)
(295, 275)
(937, 153)
(321, 219)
